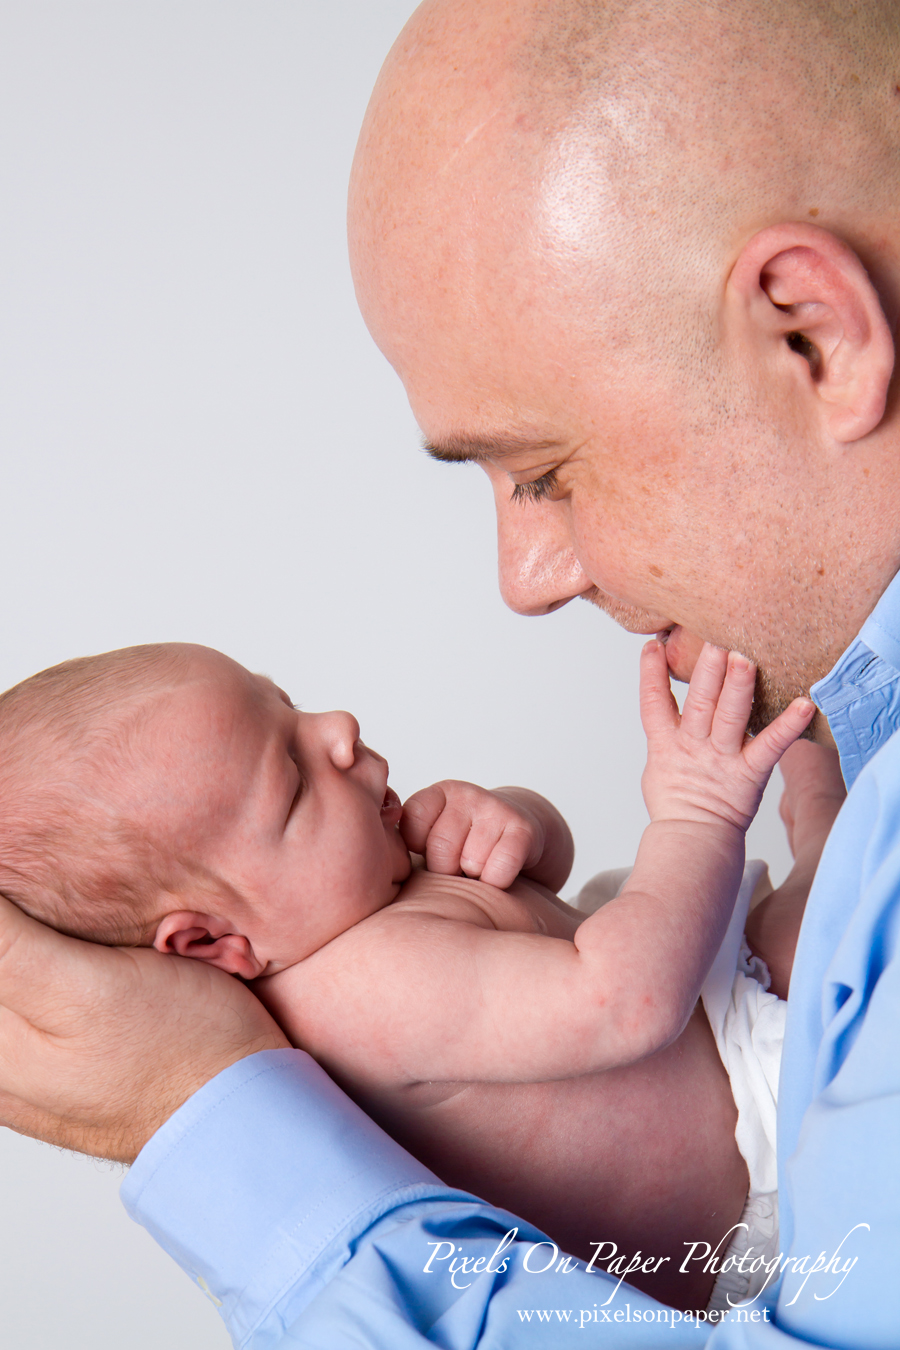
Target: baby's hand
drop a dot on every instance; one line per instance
(701, 766)
(461, 828)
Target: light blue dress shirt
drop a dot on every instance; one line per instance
(309, 1227)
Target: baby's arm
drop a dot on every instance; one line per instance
(496, 836)
(449, 994)
(703, 784)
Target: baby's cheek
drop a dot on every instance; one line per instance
(402, 861)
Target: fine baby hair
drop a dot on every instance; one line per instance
(69, 738)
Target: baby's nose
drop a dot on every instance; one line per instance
(341, 731)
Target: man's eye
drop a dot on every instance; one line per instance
(538, 490)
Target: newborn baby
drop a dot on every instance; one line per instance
(559, 1066)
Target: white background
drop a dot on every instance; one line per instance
(200, 442)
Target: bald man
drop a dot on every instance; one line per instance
(641, 262)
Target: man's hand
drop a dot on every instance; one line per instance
(461, 828)
(100, 1045)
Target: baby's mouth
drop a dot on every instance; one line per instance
(391, 807)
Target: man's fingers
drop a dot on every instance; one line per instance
(659, 711)
(703, 692)
(46, 978)
(99, 1045)
(766, 749)
(729, 725)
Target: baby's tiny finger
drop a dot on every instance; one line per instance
(420, 811)
(446, 839)
(766, 749)
(732, 713)
(703, 692)
(483, 838)
(659, 711)
(507, 858)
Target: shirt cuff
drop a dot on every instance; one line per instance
(260, 1183)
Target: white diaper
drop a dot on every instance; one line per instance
(748, 1025)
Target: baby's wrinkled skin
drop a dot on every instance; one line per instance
(556, 1065)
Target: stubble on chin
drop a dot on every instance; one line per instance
(771, 698)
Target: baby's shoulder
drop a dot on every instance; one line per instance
(376, 973)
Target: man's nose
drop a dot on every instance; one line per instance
(338, 733)
(538, 570)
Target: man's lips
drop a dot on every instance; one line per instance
(391, 807)
(642, 621)
(682, 647)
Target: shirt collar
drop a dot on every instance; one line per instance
(860, 696)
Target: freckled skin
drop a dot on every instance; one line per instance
(699, 480)
(564, 236)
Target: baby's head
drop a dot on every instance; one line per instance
(165, 796)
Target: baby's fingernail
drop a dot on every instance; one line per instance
(740, 663)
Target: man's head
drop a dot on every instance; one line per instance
(164, 795)
(641, 260)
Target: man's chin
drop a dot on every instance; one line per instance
(770, 700)
(773, 693)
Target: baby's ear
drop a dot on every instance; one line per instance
(205, 937)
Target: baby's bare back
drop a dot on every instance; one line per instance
(642, 1155)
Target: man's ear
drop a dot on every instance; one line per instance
(208, 938)
(808, 302)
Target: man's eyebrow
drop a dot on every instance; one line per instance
(477, 449)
